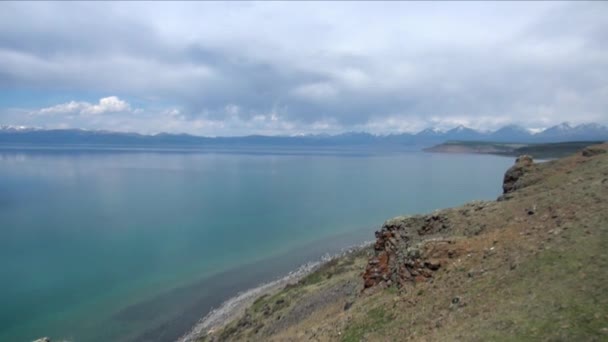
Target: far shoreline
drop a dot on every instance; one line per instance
(512, 149)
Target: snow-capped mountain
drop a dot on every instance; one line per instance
(591, 129)
(562, 129)
(567, 132)
(430, 132)
(511, 133)
(463, 133)
(426, 137)
(517, 133)
(11, 128)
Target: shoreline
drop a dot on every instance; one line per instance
(234, 306)
(462, 273)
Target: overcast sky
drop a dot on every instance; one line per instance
(302, 67)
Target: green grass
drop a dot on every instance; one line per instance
(392, 290)
(314, 278)
(259, 302)
(559, 294)
(376, 319)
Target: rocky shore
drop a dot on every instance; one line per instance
(235, 307)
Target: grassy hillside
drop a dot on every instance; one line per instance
(532, 266)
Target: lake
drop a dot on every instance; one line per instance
(117, 245)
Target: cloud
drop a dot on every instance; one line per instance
(230, 68)
(315, 91)
(111, 104)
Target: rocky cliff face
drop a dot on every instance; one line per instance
(410, 249)
(398, 250)
(513, 177)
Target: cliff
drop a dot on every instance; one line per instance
(530, 266)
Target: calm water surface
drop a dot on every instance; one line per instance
(129, 246)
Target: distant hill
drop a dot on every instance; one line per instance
(537, 150)
(19, 135)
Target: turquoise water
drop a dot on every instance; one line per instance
(129, 246)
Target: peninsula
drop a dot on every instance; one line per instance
(536, 150)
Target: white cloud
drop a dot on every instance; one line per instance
(111, 104)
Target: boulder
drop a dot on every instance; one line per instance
(593, 151)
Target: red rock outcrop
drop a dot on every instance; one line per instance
(397, 252)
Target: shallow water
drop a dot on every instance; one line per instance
(137, 245)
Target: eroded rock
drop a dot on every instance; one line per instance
(513, 177)
(398, 258)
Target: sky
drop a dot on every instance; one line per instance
(286, 68)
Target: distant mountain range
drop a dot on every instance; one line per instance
(19, 135)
